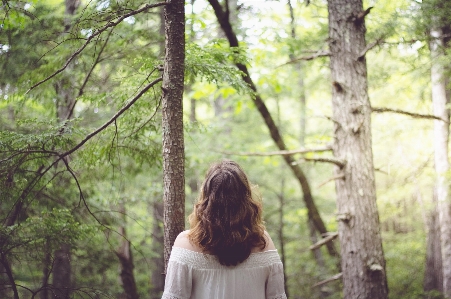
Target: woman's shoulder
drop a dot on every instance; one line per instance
(183, 241)
(269, 244)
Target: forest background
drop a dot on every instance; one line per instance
(91, 223)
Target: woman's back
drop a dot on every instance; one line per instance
(201, 276)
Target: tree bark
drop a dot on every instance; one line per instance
(313, 212)
(64, 89)
(280, 232)
(433, 273)
(157, 277)
(362, 257)
(172, 119)
(62, 273)
(46, 270)
(297, 66)
(8, 280)
(125, 257)
(441, 136)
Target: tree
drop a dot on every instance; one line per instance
(362, 257)
(65, 92)
(172, 119)
(440, 101)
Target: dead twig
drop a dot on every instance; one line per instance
(337, 177)
(333, 278)
(320, 53)
(369, 47)
(280, 153)
(412, 114)
(328, 238)
(340, 163)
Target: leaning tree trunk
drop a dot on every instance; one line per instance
(313, 212)
(173, 144)
(362, 257)
(441, 135)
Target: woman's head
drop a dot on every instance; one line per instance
(227, 220)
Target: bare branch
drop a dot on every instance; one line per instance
(340, 163)
(281, 153)
(328, 238)
(370, 46)
(363, 14)
(91, 37)
(333, 278)
(320, 53)
(412, 114)
(337, 177)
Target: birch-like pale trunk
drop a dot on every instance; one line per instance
(362, 257)
(433, 272)
(441, 136)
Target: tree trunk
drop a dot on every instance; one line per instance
(157, 277)
(8, 281)
(441, 135)
(46, 270)
(172, 118)
(125, 257)
(433, 273)
(298, 68)
(313, 212)
(362, 257)
(280, 232)
(62, 273)
(64, 89)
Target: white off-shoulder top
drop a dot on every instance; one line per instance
(195, 275)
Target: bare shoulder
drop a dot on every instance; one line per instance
(183, 241)
(269, 243)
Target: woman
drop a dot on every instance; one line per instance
(227, 254)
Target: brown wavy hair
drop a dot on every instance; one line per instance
(227, 219)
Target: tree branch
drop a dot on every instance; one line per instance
(338, 162)
(89, 39)
(369, 47)
(335, 277)
(105, 125)
(328, 238)
(412, 114)
(320, 53)
(337, 177)
(27, 190)
(85, 81)
(363, 14)
(9, 273)
(280, 153)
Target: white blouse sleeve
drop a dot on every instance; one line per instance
(275, 288)
(178, 281)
